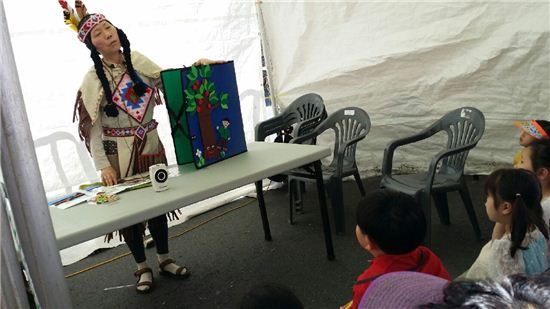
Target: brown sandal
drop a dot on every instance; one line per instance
(181, 273)
(138, 274)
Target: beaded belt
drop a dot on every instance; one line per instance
(138, 131)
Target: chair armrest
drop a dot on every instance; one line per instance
(440, 155)
(300, 139)
(268, 127)
(393, 145)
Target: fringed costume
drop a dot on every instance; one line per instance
(114, 108)
(128, 142)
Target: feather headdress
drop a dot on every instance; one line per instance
(70, 16)
(73, 17)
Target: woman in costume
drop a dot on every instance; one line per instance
(115, 118)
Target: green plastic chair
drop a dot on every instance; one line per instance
(464, 127)
(350, 125)
(298, 118)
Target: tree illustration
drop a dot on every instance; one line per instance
(202, 98)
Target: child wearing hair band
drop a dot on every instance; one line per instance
(536, 158)
(513, 200)
(531, 131)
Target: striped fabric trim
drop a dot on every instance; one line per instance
(138, 131)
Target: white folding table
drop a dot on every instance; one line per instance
(189, 185)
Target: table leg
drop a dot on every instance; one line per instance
(324, 211)
(263, 212)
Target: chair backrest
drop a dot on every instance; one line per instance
(308, 106)
(85, 160)
(464, 126)
(348, 124)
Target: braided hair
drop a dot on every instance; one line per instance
(139, 86)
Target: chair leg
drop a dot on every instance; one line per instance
(263, 212)
(337, 205)
(424, 200)
(442, 207)
(359, 183)
(467, 200)
(323, 207)
(302, 186)
(291, 200)
(299, 188)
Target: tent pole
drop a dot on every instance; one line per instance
(24, 185)
(267, 57)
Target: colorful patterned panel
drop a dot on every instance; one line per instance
(126, 98)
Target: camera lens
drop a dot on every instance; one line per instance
(161, 175)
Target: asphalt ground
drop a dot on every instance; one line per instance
(226, 253)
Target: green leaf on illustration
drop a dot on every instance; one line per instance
(207, 72)
(194, 72)
(224, 98)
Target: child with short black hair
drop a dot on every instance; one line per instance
(391, 226)
(513, 201)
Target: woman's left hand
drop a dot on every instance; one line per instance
(204, 61)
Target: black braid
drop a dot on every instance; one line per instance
(139, 86)
(110, 109)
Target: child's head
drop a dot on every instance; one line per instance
(513, 198)
(270, 296)
(534, 130)
(536, 158)
(390, 221)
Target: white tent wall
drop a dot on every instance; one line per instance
(52, 62)
(409, 63)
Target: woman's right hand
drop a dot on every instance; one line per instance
(205, 61)
(108, 176)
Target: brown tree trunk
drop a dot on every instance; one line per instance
(207, 134)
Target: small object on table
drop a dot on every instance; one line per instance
(159, 175)
(104, 198)
(90, 186)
